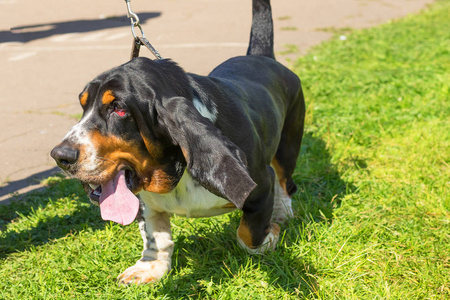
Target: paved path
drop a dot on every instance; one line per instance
(50, 49)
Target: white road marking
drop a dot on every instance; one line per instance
(9, 44)
(204, 45)
(22, 56)
(32, 51)
(93, 36)
(116, 47)
(117, 36)
(64, 37)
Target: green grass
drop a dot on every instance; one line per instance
(372, 216)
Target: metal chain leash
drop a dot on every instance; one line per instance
(139, 40)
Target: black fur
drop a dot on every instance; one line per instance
(260, 115)
(261, 36)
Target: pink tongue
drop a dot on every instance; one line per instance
(117, 202)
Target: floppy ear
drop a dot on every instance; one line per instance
(212, 159)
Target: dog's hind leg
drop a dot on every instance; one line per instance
(256, 233)
(285, 159)
(282, 206)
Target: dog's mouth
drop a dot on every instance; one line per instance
(95, 194)
(95, 190)
(116, 200)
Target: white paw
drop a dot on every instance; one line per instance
(282, 214)
(282, 209)
(144, 272)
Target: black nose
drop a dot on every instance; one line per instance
(65, 156)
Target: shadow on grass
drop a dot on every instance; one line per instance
(321, 188)
(216, 257)
(214, 254)
(211, 263)
(40, 228)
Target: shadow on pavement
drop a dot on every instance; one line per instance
(12, 187)
(29, 33)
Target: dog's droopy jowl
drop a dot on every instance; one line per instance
(155, 141)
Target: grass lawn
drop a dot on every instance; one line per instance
(372, 215)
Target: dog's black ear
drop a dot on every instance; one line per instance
(212, 159)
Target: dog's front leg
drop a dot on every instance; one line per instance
(158, 248)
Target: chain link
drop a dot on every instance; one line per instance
(134, 18)
(139, 40)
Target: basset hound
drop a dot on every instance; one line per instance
(155, 141)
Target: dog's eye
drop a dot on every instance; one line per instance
(119, 110)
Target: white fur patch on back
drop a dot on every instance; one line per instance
(204, 111)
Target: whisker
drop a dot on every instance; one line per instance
(106, 159)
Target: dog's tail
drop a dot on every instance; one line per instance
(261, 35)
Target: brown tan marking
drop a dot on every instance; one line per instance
(275, 229)
(83, 98)
(108, 97)
(114, 153)
(229, 205)
(280, 173)
(244, 234)
(160, 182)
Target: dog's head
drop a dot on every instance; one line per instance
(140, 130)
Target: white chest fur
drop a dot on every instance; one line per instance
(188, 199)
